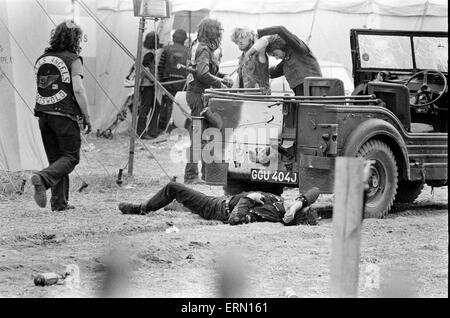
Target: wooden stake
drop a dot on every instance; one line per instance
(347, 218)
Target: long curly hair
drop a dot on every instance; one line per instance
(66, 36)
(210, 31)
(277, 43)
(149, 41)
(244, 32)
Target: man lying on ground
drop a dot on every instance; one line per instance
(245, 207)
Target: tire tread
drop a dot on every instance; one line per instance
(374, 145)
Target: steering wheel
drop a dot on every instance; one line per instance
(425, 89)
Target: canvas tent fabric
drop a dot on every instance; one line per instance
(323, 24)
(20, 141)
(384, 7)
(21, 43)
(25, 28)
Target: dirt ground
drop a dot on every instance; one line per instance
(409, 248)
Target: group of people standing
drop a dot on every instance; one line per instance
(62, 101)
(162, 63)
(297, 62)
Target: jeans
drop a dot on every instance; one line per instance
(167, 105)
(62, 142)
(208, 207)
(147, 100)
(195, 102)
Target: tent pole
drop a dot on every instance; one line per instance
(120, 44)
(189, 15)
(137, 68)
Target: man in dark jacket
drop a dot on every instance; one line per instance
(297, 59)
(171, 56)
(245, 207)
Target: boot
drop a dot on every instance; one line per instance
(40, 193)
(130, 208)
(67, 207)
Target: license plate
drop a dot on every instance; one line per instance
(285, 177)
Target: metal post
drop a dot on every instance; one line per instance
(137, 68)
(189, 15)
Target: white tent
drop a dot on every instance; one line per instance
(25, 27)
(20, 141)
(324, 24)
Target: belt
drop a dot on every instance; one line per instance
(279, 209)
(276, 207)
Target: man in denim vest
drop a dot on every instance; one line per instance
(60, 101)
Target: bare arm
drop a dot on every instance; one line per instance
(262, 57)
(78, 87)
(80, 95)
(80, 91)
(258, 47)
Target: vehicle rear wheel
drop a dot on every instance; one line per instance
(382, 180)
(408, 191)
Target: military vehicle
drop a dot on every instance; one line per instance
(396, 116)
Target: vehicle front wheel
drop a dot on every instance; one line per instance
(382, 180)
